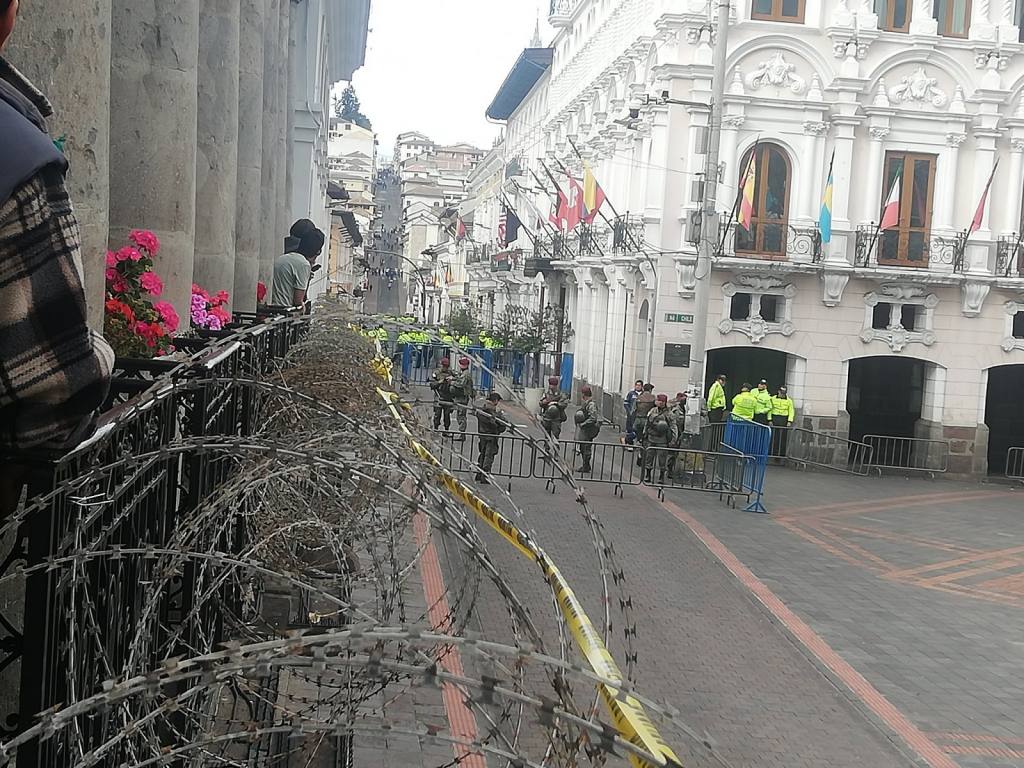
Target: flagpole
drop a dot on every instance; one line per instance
(568, 173)
(607, 200)
(739, 195)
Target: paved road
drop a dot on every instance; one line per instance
(387, 287)
(864, 623)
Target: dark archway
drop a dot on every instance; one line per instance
(884, 396)
(1003, 414)
(745, 365)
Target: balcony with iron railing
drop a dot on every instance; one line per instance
(909, 250)
(773, 241)
(1010, 256)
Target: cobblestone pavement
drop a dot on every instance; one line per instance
(917, 584)
(865, 622)
(703, 643)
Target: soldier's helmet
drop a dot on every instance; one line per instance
(659, 427)
(580, 416)
(552, 412)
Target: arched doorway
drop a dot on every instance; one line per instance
(1003, 414)
(747, 365)
(885, 395)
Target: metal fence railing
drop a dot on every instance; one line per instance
(523, 369)
(820, 449)
(130, 491)
(910, 454)
(1015, 463)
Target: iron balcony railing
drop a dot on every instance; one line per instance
(1008, 256)
(931, 250)
(778, 242)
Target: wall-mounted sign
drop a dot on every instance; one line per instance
(677, 355)
(675, 318)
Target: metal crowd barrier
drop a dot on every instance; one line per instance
(807, 448)
(514, 458)
(912, 454)
(748, 438)
(612, 463)
(1015, 464)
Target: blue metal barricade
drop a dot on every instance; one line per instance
(747, 438)
(566, 374)
(483, 380)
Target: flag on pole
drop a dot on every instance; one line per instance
(825, 217)
(979, 214)
(576, 211)
(593, 195)
(460, 229)
(891, 209)
(560, 214)
(746, 213)
(508, 227)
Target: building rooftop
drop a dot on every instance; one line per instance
(526, 72)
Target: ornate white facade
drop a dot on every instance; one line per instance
(944, 109)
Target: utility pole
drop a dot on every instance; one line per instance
(708, 232)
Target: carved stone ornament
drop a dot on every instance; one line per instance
(895, 335)
(756, 328)
(647, 277)
(833, 284)
(1011, 342)
(955, 139)
(815, 128)
(973, 297)
(759, 284)
(918, 87)
(776, 72)
(686, 278)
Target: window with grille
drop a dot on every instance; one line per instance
(881, 316)
(954, 17)
(740, 309)
(1018, 325)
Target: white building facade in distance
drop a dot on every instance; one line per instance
(915, 333)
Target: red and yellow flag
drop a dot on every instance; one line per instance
(746, 214)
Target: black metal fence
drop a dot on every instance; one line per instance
(104, 519)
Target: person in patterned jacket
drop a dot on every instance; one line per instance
(54, 372)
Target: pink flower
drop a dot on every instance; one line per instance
(221, 298)
(168, 315)
(128, 254)
(151, 283)
(118, 285)
(214, 323)
(145, 240)
(112, 274)
(199, 291)
(111, 259)
(221, 314)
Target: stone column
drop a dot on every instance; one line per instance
(217, 156)
(63, 46)
(873, 186)
(842, 171)
(153, 103)
(284, 117)
(946, 188)
(1013, 185)
(809, 185)
(248, 221)
(1007, 20)
(271, 238)
(980, 22)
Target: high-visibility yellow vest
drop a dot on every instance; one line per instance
(783, 406)
(743, 405)
(764, 401)
(716, 397)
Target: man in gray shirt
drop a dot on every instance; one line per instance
(292, 271)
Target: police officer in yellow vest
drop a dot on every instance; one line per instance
(744, 403)
(763, 403)
(783, 415)
(716, 400)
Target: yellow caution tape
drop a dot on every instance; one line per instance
(628, 714)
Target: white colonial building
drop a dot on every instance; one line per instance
(920, 335)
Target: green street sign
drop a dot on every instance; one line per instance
(673, 318)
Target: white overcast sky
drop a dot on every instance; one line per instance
(434, 65)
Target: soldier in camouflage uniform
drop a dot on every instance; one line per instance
(552, 408)
(490, 420)
(660, 434)
(588, 426)
(462, 394)
(441, 384)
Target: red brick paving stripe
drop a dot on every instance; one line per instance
(983, 737)
(1012, 754)
(882, 505)
(461, 721)
(929, 751)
